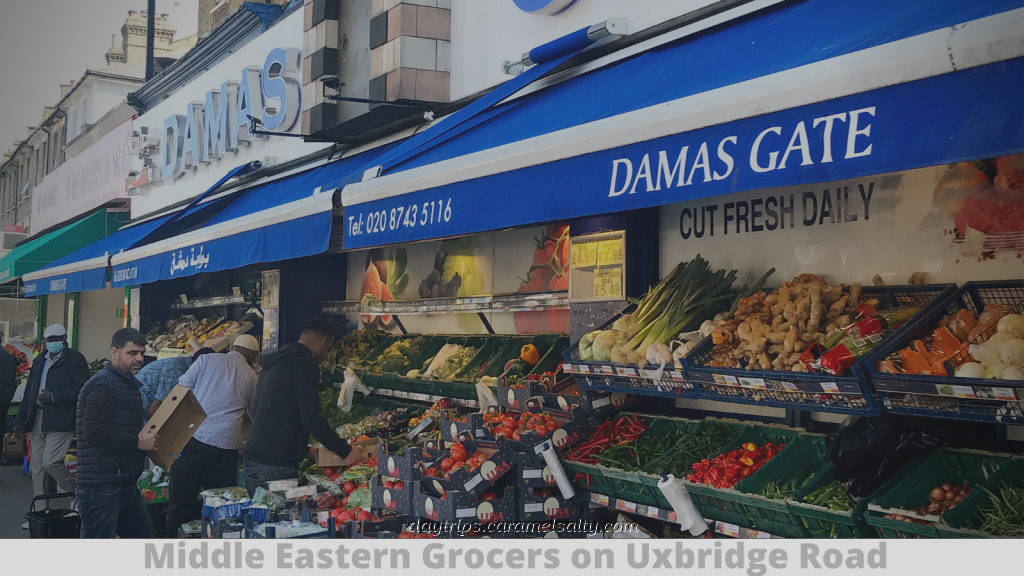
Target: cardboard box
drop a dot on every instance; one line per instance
(460, 506)
(501, 460)
(540, 508)
(14, 446)
(176, 420)
(152, 493)
(327, 459)
(395, 500)
(452, 431)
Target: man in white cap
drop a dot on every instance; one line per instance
(225, 385)
(48, 409)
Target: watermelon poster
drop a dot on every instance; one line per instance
(952, 223)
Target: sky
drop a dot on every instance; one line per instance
(47, 43)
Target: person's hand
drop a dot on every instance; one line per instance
(19, 430)
(354, 457)
(148, 440)
(45, 397)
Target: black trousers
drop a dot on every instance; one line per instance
(200, 466)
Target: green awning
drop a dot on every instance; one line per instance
(39, 252)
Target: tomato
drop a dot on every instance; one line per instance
(481, 458)
(508, 432)
(406, 535)
(347, 516)
(329, 471)
(456, 466)
(349, 487)
(541, 430)
(478, 454)
(459, 453)
(444, 496)
(389, 484)
(509, 422)
(324, 524)
(446, 464)
(515, 436)
(344, 501)
(487, 496)
(399, 485)
(425, 536)
(363, 515)
(473, 466)
(363, 486)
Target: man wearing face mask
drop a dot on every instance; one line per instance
(54, 381)
(287, 410)
(112, 445)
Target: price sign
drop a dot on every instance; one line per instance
(584, 254)
(608, 283)
(184, 299)
(236, 291)
(610, 252)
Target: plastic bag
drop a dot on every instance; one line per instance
(324, 482)
(869, 451)
(485, 397)
(348, 389)
(264, 497)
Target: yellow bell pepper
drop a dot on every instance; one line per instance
(530, 354)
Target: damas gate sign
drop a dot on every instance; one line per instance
(219, 125)
(803, 143)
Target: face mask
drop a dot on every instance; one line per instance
(54, 347)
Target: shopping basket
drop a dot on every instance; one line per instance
(53, 522)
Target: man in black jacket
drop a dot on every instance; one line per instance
(8, 385)
(48, 409)
(112, 445)
(287, 410)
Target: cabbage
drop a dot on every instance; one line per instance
(1013, 373)
(603, 344)
(995, 371)
(1012, 323)
(586, 345)
(970, 370)
(1012, 352)
(988, 352)
(360, 498)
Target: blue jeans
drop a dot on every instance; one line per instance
(110, 510)
(257, 475)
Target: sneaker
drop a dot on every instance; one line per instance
(24, 526)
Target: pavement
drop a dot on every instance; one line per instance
(15, 497)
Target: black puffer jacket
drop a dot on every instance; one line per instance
(288, 410)
(64, 380)
(108, 446)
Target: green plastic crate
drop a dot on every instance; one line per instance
(801, 461)
(637, 487)
(944, 466)
(963, 521)
(491, 348)
(722, 504)
(511, 351)
(824, 522)
(552, 358)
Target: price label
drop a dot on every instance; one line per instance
(753, 383)
(608, 283)
(184, 299)
(963, 392)
(236, 291)
(584, 254)
(567, 368)
(1004, 394)
(829, 388)
(610, 252)
(267, 331)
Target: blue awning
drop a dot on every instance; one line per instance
(86, 269)
(796, 93)
(286, 218)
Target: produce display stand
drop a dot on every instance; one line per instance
(944, 466)
(976, 399)
(847, 394)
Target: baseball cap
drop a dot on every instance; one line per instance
(248, 342)
(54, 330)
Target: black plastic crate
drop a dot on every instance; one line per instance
(948, 397)
(847, 394)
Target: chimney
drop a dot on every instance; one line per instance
(48, 111)
(65, 88)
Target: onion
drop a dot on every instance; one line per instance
(938, 494)
(947, 487)
(970, 370)
(1012, 352)
(935, 509)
